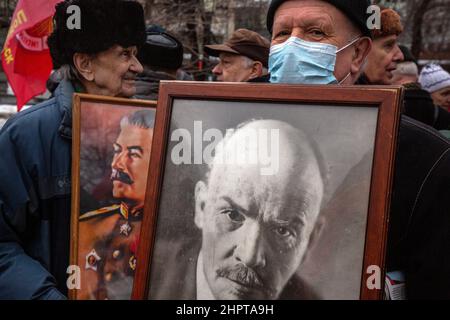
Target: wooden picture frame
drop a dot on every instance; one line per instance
(343, 120)
(102, 203)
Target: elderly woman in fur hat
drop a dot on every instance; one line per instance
(101, 57)
(35, 166)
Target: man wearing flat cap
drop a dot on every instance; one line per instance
(243, 57)
(99, 58)
(328, 42)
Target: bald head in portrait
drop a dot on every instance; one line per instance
(256, 224)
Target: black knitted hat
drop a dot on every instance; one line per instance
(355, 10)
(104, 23)
(161, 49)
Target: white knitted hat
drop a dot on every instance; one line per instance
(433, 78)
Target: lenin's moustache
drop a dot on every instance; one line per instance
(242, 275)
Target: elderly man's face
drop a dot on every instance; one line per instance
(233, 68)
(130, 164)
(114, 72)
(442, 98)
(256, 228)
(383, 59)
(316, 21)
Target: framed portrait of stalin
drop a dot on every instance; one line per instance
(265, 192)
(111, 150)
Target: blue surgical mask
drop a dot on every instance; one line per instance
(303, 62)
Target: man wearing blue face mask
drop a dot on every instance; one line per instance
(327, 42)
(317, 42)
(299, 61)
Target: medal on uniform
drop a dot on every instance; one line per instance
(116, 254)
(125, 229)
(92, 259)
(108, 277)
(132, 263)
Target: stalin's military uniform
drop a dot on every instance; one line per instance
(107, 248)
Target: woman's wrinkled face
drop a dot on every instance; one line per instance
(442, 98)
(115, 70)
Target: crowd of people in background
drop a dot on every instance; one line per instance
(244, 57)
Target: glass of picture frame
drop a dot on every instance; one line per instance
(268, 192)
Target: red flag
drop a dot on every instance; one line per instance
(25, 57)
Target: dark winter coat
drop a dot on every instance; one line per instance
(35, 184)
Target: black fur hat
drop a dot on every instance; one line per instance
(161, 49)
(104, 23)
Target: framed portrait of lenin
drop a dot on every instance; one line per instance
(266, 192)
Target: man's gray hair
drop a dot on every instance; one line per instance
(248, 63)
(65, 72)
(144, 119)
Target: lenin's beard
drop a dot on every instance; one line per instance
(119, 175)
(247, 277)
